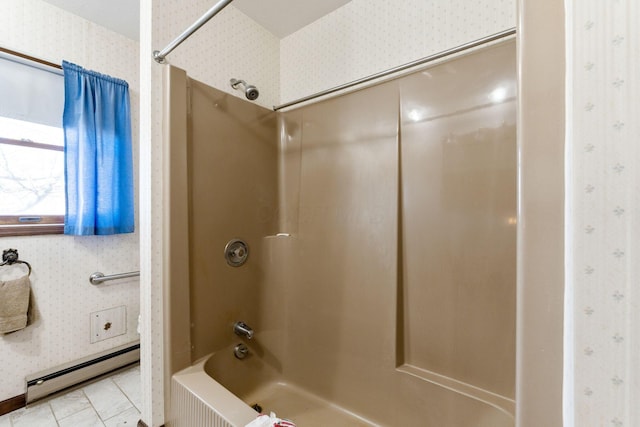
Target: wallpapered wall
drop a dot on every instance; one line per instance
(605, 85)
(367, 36)
(231, 45)
(61, 264)
(356, 40)
(338, 48)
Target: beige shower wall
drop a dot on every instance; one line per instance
(403, 240)
(340, 315)
(232, 173)
(459, 178)
(223, 186)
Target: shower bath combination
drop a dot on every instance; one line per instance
(351, 205)
(250, 91)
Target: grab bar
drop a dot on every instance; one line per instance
(98, 277)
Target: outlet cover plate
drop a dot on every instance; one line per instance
(108, 323)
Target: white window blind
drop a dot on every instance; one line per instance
(30, 92)
(32, 197)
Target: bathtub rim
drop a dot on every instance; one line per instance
(208, 390)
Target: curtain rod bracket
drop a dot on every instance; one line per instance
(156, 56)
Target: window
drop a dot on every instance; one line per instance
(32, 194)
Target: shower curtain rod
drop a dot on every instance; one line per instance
(497, 36)
(159, 55)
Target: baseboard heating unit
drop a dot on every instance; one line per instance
(44, 383)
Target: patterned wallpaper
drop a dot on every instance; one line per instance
(231, 45)
(367, 36)
(331, 51)
(605, 85)
(62, 264)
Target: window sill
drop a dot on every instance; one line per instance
(31, 230)
(11, 226)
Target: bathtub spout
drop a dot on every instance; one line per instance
(242, 329)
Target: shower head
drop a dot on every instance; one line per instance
(250, 91)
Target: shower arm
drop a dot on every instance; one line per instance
(236, 82)
(159, 55)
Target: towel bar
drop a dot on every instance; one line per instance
(98, 277)
(10, 257)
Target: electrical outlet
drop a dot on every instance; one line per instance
(108, 323)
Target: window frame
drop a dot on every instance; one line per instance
(11, 225)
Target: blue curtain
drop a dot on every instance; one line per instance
(98, 160)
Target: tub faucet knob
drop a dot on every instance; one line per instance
(242, 329)
(241, 351)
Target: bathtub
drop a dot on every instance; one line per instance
(219, 390)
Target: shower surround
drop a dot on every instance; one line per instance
(382, 231)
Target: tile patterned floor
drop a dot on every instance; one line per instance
(114, 401)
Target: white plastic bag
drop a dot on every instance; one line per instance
(270, 421)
